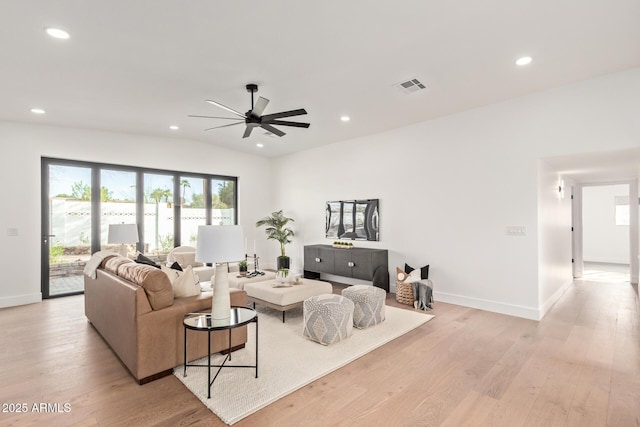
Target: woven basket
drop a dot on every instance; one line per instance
(404, 293)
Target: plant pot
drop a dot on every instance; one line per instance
(283, 262)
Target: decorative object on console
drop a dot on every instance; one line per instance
(123, 234)
(220, 244)
(352, 220)
(343, 245)
(276, 230)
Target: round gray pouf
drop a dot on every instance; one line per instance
(369, 303)
(327, 318)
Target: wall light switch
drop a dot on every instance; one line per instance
(516, 230)
(12, 232)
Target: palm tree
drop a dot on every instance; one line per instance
(276, 230)
(184, 184)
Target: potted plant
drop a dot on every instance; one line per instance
(242, 266)
(276, 230)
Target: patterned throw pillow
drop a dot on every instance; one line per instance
(401, 276)
(424, 271)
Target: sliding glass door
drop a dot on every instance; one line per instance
(80, 200)
(67, 236)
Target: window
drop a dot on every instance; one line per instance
(622, 210)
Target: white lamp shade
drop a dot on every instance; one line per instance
(123, 233)
(219, 243)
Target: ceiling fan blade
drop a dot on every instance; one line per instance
(286, 123)
(214, 117)
(272, 129)
(261, 104)
(231, 110)
(224, 126)
(291, 113)
(247, 132)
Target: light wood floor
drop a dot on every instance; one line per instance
(579, 366)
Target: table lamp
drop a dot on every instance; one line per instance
(123, 234)
(220, 244)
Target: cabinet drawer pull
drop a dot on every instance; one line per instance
(318, 260)
(351, 264)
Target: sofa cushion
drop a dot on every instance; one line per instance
(156, 284)
(112, 264)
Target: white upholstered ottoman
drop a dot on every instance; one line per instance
(240, 282)
(285, 298)
(369, 304)
(327, 318)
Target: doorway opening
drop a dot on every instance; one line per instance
(605, 232)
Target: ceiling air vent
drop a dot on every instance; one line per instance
(410, 86)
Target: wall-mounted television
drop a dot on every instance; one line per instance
(353, 220)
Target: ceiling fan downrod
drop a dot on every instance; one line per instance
(252, 87)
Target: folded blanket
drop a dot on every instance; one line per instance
(95, 261)
(422, 294)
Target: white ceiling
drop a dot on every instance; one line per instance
(140, 66)
(598, 168)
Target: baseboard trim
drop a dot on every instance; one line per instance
(487, 305)
(20, 300)
(546, 306)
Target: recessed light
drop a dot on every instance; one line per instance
(57, 33)
(37, 111)
(345, 118)
(174, 127)
(259, 145)
(525, 60)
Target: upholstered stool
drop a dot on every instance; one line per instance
(369, 303)
(327, 318)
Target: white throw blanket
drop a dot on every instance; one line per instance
(94, 262)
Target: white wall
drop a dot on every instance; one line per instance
(448, 188)
(554, 237)
(603, 240)
(22, 147)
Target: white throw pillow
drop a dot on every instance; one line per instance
(184, 283)
(185, 258)
(171, 273)
(414, 276)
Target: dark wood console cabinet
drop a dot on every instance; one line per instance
(358, 263)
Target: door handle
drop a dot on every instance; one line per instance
(351, 264)
(46, 237)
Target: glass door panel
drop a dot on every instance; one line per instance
(192, 209)
(68, 240)
(158, 216)
(223, 202)
(117, 205)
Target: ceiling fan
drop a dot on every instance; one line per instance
(254, 118)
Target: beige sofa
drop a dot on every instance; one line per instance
(132, 307)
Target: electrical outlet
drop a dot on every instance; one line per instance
(12, 232)
(516, 230)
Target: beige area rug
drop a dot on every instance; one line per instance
(287, 361)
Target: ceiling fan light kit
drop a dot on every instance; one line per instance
(254, 118)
